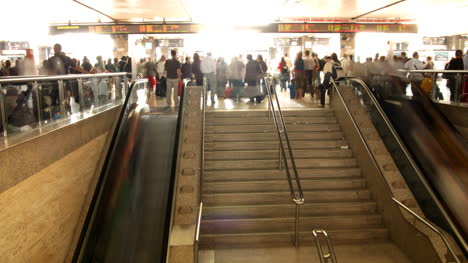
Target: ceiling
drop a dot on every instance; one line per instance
(239, 10)
(26, 18)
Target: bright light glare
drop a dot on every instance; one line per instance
(233, 13)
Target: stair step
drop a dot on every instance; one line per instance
(273, 145)
(307, 209)
(220, 199)
(255, 225)
(266, 120)
(271, 128)
(293, 136)
(342, 236)
(286, 113)
(275, 174)
(281, 185)
(272, 154)
(274, 163)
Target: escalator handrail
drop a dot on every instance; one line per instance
(374, 161)
(412, 162)
(81, 244)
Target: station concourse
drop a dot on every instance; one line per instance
(357, 152)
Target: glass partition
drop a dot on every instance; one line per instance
(33, 104)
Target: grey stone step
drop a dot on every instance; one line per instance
(275, 239)
(275, 174)
(273, 136)
(221, 199)
(271, 128)
(272, 154)
(255, 225)
(281, 185)
(286, 210)
(270, 145)
(266, 120)
(274, 163)
(286, 113)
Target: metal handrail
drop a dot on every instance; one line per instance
(433, 71)
(407, 154)
(331, 251)
(197, 232)
(374, 161)
(297, 200)
(62, 77)
(202, 159)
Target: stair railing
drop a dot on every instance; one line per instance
(283, 137)
(331, 251)
(387, 187)
(197, 232)
(202, 146)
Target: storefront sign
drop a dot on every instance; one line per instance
(7, 45)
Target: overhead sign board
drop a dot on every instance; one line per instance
(185, 28)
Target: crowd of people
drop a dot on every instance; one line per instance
(307, 73)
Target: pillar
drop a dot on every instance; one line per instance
(120, 45)
(347, 43)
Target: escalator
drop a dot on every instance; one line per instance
(129, 216)
(429, 152)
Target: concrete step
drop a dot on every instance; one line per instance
(272, 154)
(270, 127)
(266, 120)
(331, 195)
(287, 210)
(281, 185)
(255, 225)
(273, 145)
(274, 163)
(273, 136)
(275, 174)
(275, 239)
(286, 113)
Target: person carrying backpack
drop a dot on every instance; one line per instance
(285, 75)
(328, 73)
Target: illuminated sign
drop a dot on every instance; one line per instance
(185, 28)
(346, 28)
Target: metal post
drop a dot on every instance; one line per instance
(456, 95)
(61, 97)
(296, 235)
(116, 81)
(434, 86)
(125, 85)
(37, 94)
(280, 158)
(96, 92)
(3, 111)
(81, 94)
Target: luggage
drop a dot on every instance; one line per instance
(292, 91)
(179, 88)
(228, 93)
(426, 85)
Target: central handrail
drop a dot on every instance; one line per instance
(331, 251)
(298, 200)
(374, 161)
(202, 147)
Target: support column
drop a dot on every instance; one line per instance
(120, 45)
(347, 43)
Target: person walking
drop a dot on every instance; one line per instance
(208, 68)
(196, 71)
(299, 75)
(285, 75)
(172, 68)
(221, 77)
(235, 76)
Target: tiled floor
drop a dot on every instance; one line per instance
(370, 253)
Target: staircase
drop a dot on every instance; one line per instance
(246, 198)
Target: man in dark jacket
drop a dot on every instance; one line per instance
(454, 64)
